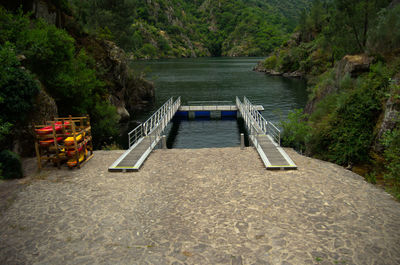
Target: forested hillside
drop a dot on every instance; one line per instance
(349, 52)
(181, 28)
(48, 68)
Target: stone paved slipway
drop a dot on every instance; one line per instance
(205, 206)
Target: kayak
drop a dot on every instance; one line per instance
(82, 156)
(72, 151)
(70, 140)
(50, 141)
(49, 129)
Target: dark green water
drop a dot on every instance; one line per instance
(220, 79)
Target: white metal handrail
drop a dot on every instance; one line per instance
(161, 117)
(155, 133)
(208, 103)
(267, 127)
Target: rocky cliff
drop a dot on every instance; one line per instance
(351, 66)
(128, 91)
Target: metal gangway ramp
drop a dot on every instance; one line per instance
(265, 137)
(145, 137)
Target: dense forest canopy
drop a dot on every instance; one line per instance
(183, 28)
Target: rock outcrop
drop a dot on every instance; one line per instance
(262, 69)
(111, 61)
(389, 120)
(350, 65)
(128, 92)
(273, 72)
(353, 65)
(44, 109)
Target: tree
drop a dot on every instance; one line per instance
(356, 16)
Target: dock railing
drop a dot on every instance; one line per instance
(158, 121)
(265, 126)
(209, 106)
(208, 103)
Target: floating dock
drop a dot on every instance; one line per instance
(264, 135)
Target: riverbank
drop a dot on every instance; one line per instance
(199, 206)
(260, 67)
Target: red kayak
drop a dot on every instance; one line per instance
(49, 129)
(50, 141)
(72, 152)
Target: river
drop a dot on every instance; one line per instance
(218, 79)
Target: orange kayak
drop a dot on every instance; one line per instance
(72, 151)
(50, 141)
(72, 162)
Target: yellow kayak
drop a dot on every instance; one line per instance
(82, 156)
(70, 140)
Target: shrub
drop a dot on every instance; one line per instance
(49, 50)
(371, 178)
(391, 141)
(286, 62)
(270, 62)
(149, 50)
(383, 37)
(13, 28)
(345, 136)
(10, 165)
(17, 86)
(77, 84)
(296, 131)
(104, 120)
(4, 132)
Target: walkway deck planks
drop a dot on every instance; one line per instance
(144, 138)
(272, 155)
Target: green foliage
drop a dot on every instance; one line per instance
(296, 131)
(149, 50)
(291, 9)
(5, 128)
(68, 75)
(391, 142)
(312, 23)
(270, 62)
(326, 82)
(105, 127)
(48, 50)
(347, 82)
(371, 178)
(75, 88)
(345, 135)
(333, 29)
(358, 16)
(10, 165)
(17, 87)
(181, 28)
(383, 37)
(287, 62)
(4, 131)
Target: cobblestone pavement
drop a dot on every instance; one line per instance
(205, 206)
